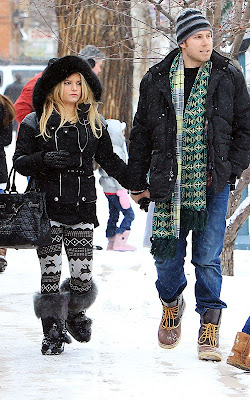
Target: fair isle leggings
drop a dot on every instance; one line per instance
(78, 244)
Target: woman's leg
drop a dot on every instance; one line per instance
(50, 258)
(78, 242)
(50, 305)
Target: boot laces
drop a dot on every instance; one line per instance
(169, 316)
(209, 334)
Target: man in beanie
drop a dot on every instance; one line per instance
(23, 104)
(191, 133)
(94, 56)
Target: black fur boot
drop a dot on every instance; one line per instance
(77, 324)
(53, 310)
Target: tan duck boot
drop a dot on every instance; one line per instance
(240, 353)
(208, 341)
(169, 333)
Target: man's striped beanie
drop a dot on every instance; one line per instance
(189, 22)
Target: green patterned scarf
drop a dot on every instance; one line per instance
(187, 206)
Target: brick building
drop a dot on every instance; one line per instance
(26, 34)
(5, 29)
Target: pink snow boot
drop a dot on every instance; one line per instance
(111, 242)
(120, 243)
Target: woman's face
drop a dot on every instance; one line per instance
(72, 89)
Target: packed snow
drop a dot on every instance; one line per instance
(123, 360)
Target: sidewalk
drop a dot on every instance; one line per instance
(123, 360)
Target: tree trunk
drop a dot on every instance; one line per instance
(227, 259)
(142, 34)
(106, 25)
(230, 237)
(237, 214)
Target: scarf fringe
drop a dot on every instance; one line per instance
(193, 220)
(166, 247)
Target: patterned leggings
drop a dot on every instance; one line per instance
(78, 244)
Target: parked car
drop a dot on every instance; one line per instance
(7, 73)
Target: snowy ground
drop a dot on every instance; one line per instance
(123, 360)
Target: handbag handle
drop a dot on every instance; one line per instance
(11, 187)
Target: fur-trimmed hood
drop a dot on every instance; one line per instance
(59, 69)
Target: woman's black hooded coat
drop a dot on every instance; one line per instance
(70, 193)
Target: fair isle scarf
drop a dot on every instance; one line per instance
(187, 206)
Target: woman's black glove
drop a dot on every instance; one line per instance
(144, 203)
(56, 159)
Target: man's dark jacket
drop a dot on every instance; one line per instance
(153, 136)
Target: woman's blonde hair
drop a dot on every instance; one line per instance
(54, 102)
(9, 110)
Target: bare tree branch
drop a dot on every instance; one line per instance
(159, 8)
(243, 27)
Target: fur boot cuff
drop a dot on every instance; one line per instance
(79, 302)
(51, 305)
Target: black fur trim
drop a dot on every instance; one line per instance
(58, 70)
(51, 305)
(79, 302)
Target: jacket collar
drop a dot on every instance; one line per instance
(219, 62)
(160, 73)
(55, 118)
(163, 67)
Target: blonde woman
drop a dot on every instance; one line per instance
(57, 144)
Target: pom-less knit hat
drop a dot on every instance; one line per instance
(189, 22)
(92, 54)
(58, 70)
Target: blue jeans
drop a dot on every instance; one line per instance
(114, 211)
(207, 245)
(246, 328)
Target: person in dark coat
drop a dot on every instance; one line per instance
(57, 144)
(13, 91)
(7, 114)
(191, 133)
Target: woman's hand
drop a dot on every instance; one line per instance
(56, 159)
(143, 199)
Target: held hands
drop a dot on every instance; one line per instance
(143, 199)
(56, 159)
(123, 198)
(144, 203)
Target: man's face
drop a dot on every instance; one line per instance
(197, 49)
(97, 67)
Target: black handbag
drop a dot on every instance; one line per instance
(24, 223)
